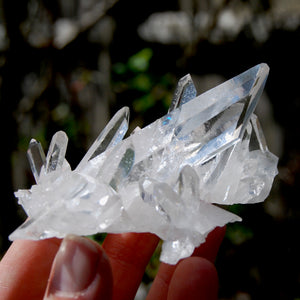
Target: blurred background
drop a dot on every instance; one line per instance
(69, 65)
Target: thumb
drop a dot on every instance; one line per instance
(81, 270)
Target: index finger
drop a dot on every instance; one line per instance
(25, 268)
(208, 250)
(129, 254)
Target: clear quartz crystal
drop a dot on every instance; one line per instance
(112, 134)
(36, 158)
(164, 178)
(184, 92)
(123, 169)
(56, 153)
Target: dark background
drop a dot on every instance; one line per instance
(70, 65)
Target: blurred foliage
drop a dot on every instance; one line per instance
(69, 65)
(153, 265)
(140, 61)
(238, 233)
(99, 237)
(134, 77)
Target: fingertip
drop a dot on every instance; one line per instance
(207, 250)
(81, 270)
(194, 278)
(25, 268)
(129, 254)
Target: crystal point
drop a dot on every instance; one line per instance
(36, 158)
(111, 135)
(56, 153)
(184, 92)
(164, 178)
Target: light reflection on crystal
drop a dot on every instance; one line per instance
(123, 169)
(164, 178)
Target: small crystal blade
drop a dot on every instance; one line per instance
(185, 91)
(257, 140)
(36, 158)
(56, 153)
(255, 89)
(111, 135)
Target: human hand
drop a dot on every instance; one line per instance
(81, 269)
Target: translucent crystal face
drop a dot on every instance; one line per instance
(164, 178)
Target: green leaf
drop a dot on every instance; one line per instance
(144, 103)
(140, 61)
(141, 82)
(238, 233)
(119, 68)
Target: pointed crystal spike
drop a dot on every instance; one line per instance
(259, 75)
(222, 118)
(57, 150)
(110, 136)
(19, 232)
(185, 91)
(257, 140)
(244, 89)
(36, 158)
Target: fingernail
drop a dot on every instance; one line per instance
(74, 268)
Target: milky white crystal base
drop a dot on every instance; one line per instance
(165, 178)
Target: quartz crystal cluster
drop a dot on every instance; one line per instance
(165, 178)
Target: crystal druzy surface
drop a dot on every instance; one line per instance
(164, 178)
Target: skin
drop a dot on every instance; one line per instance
(34, 270)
